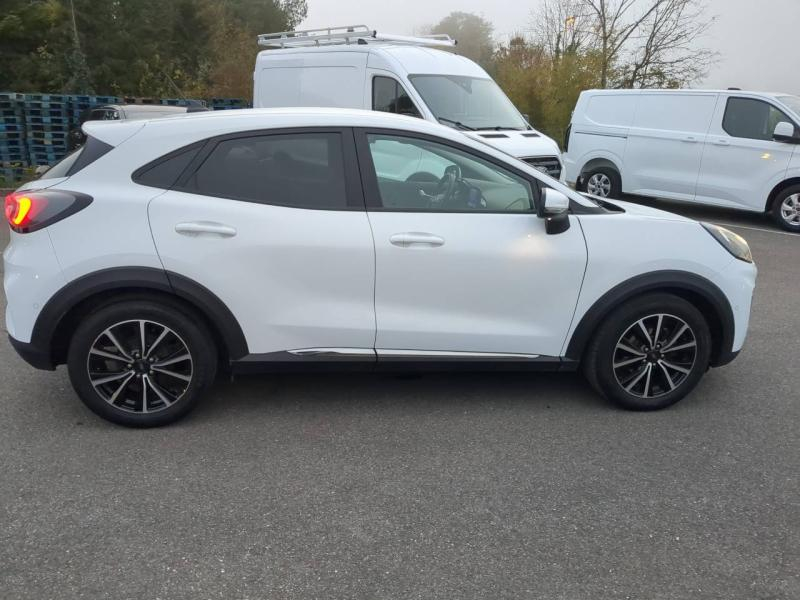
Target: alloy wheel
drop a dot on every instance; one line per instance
(140, 366)
(790, 210)
(655, 355)
(599, 184)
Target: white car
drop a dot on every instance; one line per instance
(165, 250)
(356, 67)
(727, 148)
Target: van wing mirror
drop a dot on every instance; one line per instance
(786, 132)
(555, 211)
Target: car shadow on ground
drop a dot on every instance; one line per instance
(352, 392)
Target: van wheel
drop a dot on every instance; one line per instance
(649, 353)
(786, 209)
(141, 363)
(604, 182)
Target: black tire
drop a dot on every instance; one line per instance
(667, 384)
(777, 211)
(168, 395)
(614, 179)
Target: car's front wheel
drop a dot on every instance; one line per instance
(603, 182)
(649, 353)
(141, 363)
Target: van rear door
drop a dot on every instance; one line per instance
(665, 144)
(331, 79)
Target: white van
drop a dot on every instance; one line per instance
(725, 148)
(355, 67)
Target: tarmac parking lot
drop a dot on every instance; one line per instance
(469, 485)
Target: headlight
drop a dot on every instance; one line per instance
(732, 242)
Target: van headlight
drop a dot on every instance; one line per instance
(732, 242)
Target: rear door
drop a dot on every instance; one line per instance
(742, 163)
(665, 144)
(273, 223)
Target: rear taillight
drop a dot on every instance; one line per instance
(29, 211)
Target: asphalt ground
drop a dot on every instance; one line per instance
(439, 486)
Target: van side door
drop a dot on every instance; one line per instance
(742, 163)
(665, 144)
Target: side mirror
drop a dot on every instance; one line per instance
(785, 132)
(555, 211)
(41, 170)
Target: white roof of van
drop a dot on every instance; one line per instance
(617, 92)
(412, 60)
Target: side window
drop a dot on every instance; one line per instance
(389, 96)
(418, 175)
(164, 172)
(751, 118)
(303, 170)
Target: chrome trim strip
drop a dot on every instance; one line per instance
(432, 354)
(333, 352)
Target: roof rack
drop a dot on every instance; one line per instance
(349, 34)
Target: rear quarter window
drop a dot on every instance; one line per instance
(79, 159)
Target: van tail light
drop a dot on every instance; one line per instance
(29, 211)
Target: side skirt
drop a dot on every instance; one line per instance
(365, 359)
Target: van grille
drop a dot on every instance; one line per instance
(548, 164)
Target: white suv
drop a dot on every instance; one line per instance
(165, 250)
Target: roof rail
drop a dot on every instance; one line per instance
(349, 34)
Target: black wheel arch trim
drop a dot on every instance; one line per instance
(135, 278)
(677, 282)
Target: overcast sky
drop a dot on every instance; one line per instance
(756, 39)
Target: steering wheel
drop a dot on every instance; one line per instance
(446, 189)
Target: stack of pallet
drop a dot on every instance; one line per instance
(13, 151)
(47, 123)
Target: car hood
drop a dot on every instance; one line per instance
(522, 144)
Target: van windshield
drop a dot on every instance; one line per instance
(468, 102)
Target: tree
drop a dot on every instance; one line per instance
(640, 42)
(473, 33)
(142, 48)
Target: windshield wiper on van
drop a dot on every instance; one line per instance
(458, 124)
(501, 128)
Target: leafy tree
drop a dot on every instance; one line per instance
(474, 35)
(142, 47)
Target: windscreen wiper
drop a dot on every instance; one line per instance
(500, 128)
(458, 124)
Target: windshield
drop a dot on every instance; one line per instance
(793, 102)
(468, 102)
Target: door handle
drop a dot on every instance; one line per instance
(690, 139)
(415, 238)
(200, 227)
(721, 143)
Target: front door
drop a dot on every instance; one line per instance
(463, 264)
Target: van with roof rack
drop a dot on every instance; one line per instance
(357, 67)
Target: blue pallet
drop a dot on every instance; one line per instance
(45, 127)
(11, 127)
(9, 115)
(46, 98)
(46, 112)
(12, 142)
(39, 119)
(47, 135)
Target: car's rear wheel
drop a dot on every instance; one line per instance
(649, 353)
(604, 182)
(141, 363)
(786, 209)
